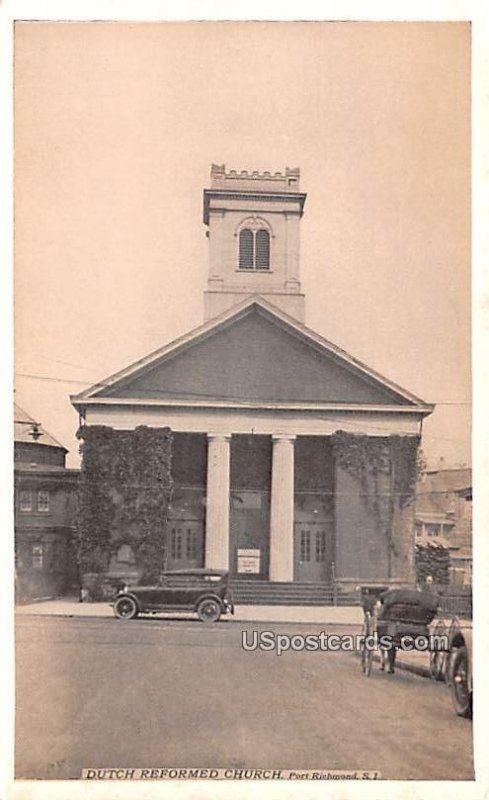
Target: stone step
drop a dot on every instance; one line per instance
(267, 593)
(249, 592)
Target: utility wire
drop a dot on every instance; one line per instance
(239, 401)
(103, 385)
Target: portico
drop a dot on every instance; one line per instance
(258, 490)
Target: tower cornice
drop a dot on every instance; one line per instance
(228, 194)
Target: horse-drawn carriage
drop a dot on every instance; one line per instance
(402, 619)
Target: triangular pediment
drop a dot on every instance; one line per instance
(253, 354)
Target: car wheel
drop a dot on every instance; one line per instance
(461, 694)
(125, 608)
(209, 610)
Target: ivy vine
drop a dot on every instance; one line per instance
(432, 560)
(386, 470)
(123, 496)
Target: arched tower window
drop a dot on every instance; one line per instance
(246, 249)
(262, 249)
(254, 249)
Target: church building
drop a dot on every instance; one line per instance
(292, 461)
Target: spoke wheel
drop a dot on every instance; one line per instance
(438, 658)
(367, 662)
(125, 608)
(209, 611)
(367, 654)
(461, 694)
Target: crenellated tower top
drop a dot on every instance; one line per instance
(243, 180)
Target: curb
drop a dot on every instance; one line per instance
(229, 620)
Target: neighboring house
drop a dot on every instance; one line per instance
(444, 516)
(44, 512)
(254, 399)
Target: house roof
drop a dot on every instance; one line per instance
(436, 486)
(437, 541)
(323, 357)
(23, 425)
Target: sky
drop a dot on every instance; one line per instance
(116, 126)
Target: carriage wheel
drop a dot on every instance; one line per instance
(438, 658)
(367, 654)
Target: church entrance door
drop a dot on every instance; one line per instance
(185, 544)
(313, 551)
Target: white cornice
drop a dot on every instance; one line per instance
(421, 410)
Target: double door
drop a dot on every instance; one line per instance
(185, 544)
(313, 551)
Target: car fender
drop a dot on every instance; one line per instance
(132, 596)
(210, 596)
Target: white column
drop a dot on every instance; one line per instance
(217, 513)
(282, 509)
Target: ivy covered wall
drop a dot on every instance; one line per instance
(124, 492)
(125, 489)
(375, 483)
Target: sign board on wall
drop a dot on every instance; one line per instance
(249, 561)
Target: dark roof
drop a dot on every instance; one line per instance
(23, 425)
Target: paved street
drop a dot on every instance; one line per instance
(154, 693)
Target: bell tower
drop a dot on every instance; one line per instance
(253, 221)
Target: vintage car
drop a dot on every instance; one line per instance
(203, 591)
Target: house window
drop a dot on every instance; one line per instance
(192, 544)
(176, 548)
(43, 501)
(305, 546)
(320, 545)
(433, 529)
(25, 501)
(254, 249)
(37, 556)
